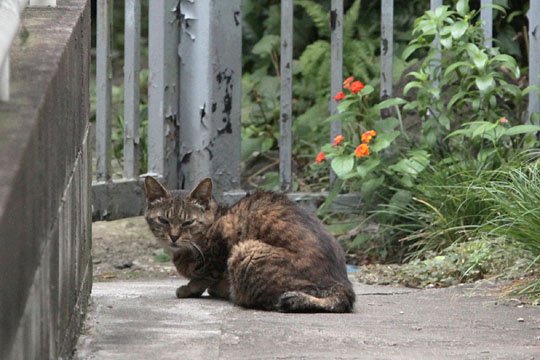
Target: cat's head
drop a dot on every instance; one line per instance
(179, 221)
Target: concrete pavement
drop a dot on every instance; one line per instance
(143, 320)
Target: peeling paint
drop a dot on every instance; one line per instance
(384, 46)
(226, 77)
(333, 19)
(186, 15)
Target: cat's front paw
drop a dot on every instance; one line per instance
(184, 291)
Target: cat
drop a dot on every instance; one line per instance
(265, 252)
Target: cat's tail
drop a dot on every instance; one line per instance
(338, 299)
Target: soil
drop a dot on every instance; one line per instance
(126, 249)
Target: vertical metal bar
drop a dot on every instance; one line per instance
(163, 90)
(132, 33)
(285, 137)
(534, 56)
(486, 16)
(336, 59)
(387, 47)
(336, 70)
(103, 90)
(4, 80)
(434, 4)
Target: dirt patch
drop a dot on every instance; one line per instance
(126, 249)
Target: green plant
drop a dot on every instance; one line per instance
(311, 69)
(516, 215)
(424, 186)
(367, 154)
(459, 263)
(461, 81)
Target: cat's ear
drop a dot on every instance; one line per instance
(154, 190)
(202, 194)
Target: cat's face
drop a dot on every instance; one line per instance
(179, 222)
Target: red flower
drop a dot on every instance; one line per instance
(347, 82)
(339, 96)
(338, 140)
(368, 135)
(361, 150)
(357, 86)
(320, 157)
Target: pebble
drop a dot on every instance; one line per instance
(521, 320)
(125, 264)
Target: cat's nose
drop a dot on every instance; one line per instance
(174, 238)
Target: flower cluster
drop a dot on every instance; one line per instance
(339, 146)
(354, 86)
(320, 157)
(361, 150)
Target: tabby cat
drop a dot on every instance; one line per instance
(264, 252)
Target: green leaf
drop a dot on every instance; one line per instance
(462, 7)
(483, 127)
(459, 28)
(456, 65)
(478, 57)
(485, 83)
(318, 14)
(413, 165)
(522, 129)
(345, 104)
(383, 141)
(400, 199)
(383, 126)
(364, 168)
(370, 186)
(250, 146)
(342, 165)
(389, 103)
(350, 20)
(265, 46)
(412, 85)
(446, 42)
(367, 90)
(344, 116)
(409, 50)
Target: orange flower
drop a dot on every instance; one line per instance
(368, 135)
(361, 151)
(339, 96)
(338, 140)
(320, 157)
(347, 82)
(357, 86)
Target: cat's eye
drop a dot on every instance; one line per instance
(188, 223)
(162, 220)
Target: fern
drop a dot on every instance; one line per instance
(350, 20)
(319, 16)
(315, 64)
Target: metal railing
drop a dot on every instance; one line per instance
(10, 17)
(191, 44)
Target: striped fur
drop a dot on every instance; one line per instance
(264, 252)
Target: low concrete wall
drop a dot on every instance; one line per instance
(45, 217)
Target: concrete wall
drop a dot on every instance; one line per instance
(45, 224)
